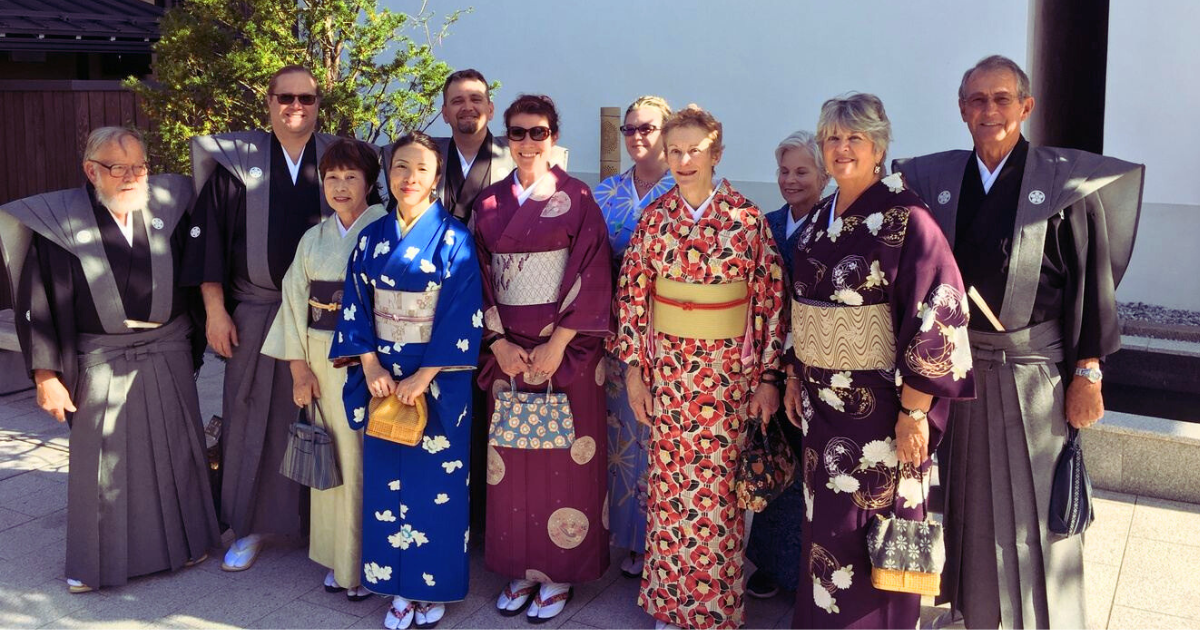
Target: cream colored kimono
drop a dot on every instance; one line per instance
(335, 534)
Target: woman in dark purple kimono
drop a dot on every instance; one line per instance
(879, 328)
(547, 297)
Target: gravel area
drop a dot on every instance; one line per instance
(1157, 314)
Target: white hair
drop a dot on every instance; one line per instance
(99, 138)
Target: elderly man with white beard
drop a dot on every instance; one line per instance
(109, 340)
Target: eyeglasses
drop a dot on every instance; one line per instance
(119, 171)
(537, 134)
(645, 129)
(287, 99)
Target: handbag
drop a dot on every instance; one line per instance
(1071, 493)
(391, 420)
(532, 420)
(906, 556)
(766, 468)
(212, 447)
(310, 459)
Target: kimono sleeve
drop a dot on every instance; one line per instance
(632, 343)
(288, 337)
(205, 258)
(458, 318)
(355, 332)
(493, 325)
(587, 306)
(1094, 327)
(38, 328)
(929, 313)
(767, 302)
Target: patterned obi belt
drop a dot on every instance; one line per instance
(836, 337)
(405, 316)
(700, 311)
(324, 302)
(528, 278)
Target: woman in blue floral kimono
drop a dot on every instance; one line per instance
(621, 199)
(411, 315)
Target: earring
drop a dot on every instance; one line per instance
(877, 169)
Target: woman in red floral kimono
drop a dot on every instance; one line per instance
(700, 296)
(547, 297)
(879, 343)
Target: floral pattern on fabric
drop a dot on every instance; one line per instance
(701, 389)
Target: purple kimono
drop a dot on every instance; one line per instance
(877, 301)
(547, 263)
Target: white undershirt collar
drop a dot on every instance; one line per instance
(462, 161)
(126, 228)
(793, 224)
(699, 212)
(523, 194)
(293, 167)
(989, 177)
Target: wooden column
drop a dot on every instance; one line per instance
(1068, 62)
(610, 141)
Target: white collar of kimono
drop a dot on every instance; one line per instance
(793, 224)
(126, 227)
(699, 212)
(462, 161)
(832, 209)
(989, 177)
(525, 193)
(344, 230)
(633, 186)
(405, 228)
(294, 167)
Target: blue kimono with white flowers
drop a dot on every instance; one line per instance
(415, 500)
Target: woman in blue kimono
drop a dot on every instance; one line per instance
(411, 317)
(621, 198)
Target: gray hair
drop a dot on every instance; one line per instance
(99, 138)
(855, 112)
(997, 62)
(802, 140)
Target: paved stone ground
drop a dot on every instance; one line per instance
(1141, 558)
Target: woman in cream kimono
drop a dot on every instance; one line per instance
(302, 334)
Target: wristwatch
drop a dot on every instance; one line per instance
(915, 414)
(1092, 374)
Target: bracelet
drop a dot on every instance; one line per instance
(793, 377)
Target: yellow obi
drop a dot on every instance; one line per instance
(700, 311)
(843, 337)
(405, 316)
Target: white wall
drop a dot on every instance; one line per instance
(763, 67)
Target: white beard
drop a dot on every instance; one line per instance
(136, 200)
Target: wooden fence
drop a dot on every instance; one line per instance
(44, 126)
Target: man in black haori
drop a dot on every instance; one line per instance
(1044, 235)
(108, 336)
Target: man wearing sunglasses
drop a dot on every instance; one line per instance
(258, 192)
(109, 338)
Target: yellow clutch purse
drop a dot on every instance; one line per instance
(391, 420)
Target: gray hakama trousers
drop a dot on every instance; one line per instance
(257, 411)
(138, 499)
(1003, 566)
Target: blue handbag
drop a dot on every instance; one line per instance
(532, 420)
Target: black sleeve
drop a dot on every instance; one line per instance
(39, 328)
(192, 305)
(1094, 301)
(205, 254)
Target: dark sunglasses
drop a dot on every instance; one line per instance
(645, 129)
(305, 99)
(537, 134)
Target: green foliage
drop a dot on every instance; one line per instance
(376, 68)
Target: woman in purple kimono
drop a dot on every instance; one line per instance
(547, 279)
(879, 329)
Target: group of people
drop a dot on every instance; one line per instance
(670, 313)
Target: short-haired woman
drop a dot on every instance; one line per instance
(879, 343)
(699, 298)
(622, 198)
(302, 333)
(410, 315)
(547, 280)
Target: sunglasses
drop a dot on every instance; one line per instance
(537, 134)
(645, 129)
(287, 99)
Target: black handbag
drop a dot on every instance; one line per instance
(310, 459)
(1071, 495)
(767, 465)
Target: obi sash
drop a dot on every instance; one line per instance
(324, 302)
(836, 337)
(405, 316)
(700, 311)
(528, 278)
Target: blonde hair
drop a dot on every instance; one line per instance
(655, 102)
(855, 112)
(693, 116)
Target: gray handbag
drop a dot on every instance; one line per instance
(532, 420)
(906, 556)
(310, 459)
